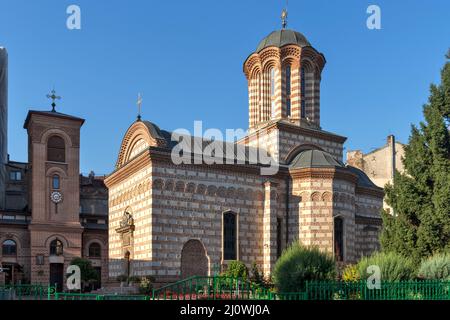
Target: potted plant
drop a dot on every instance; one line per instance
(146, 285)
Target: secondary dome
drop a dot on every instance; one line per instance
(283, 37)
(315, 159)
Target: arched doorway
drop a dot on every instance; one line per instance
(56, 260)
(194, 261)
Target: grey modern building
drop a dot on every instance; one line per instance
(3, 122)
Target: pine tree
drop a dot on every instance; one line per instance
(420, 197)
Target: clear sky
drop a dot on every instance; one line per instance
(186, 57)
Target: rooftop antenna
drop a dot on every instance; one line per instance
(54, 97)
(284, 15)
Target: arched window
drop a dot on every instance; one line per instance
(272, 92)
(56, 248)
(56, 149)
(303, 93)
(339, 239)
(9, 248)
(55, 182)
(95, 250)
(287, 74)
(229, 236)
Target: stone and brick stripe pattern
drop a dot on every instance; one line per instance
(257, 69)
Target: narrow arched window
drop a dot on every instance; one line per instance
(229, 236)
(56, 184)
(56, 248)
(95, 250)
(272, 92)
(9, 248)
(56, 149)
(339, 239)
(287, 74)
(303, 93)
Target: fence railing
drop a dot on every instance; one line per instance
(218, 288)
(89, 296)
(211, 288)
(389, 290)
(26, 292)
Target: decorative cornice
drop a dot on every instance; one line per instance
(291, 52)
(292, 128)
(375, 191)
(324, 173)
(139, 162)
(309, 132)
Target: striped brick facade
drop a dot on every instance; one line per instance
(180, 212)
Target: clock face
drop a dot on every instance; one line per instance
(56, 197)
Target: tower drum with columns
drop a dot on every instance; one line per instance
(284, 80)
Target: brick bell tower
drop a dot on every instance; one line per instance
(55, 229)
(284, 76)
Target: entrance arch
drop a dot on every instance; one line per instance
(194, 261)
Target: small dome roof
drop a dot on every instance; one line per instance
(283, 37)
(315, 159)
(363, 179)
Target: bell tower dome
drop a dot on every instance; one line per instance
(284, 80)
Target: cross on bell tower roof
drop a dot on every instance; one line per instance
(54, 97)
(284, 15)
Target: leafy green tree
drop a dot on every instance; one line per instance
(420, 197)
(237, 269)
(88, 273)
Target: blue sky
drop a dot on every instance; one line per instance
(186, 57)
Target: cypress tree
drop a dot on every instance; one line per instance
(420, 197)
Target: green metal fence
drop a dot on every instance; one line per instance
(211, 288)
(124, 297)
(75, 296)
(217, 288)
(395, 290)
(26, 292)
(89, 296)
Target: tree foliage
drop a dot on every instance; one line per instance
(436, 267)
(299, 264)
(237, 269)
(88, 273)
(420, 197)
(393, 266)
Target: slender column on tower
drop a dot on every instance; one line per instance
(265, 95)
(253, 97)
(316, 98)
(270, 227)
(295, 91)
(277, 96)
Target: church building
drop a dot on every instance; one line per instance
(172, 221)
